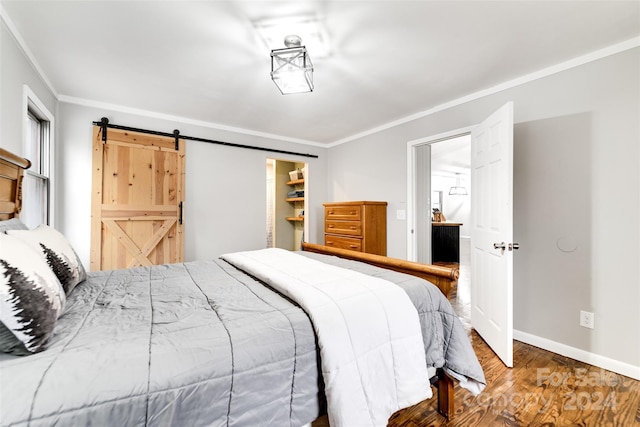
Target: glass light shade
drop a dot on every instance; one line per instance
(292, 70)
(457, 191)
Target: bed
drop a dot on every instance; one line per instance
(211, 342)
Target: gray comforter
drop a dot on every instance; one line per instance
(192, 344)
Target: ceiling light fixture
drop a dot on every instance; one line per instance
(457, 190)
(309, 28)
(291, 67)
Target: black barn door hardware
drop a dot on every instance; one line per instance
(104, 124)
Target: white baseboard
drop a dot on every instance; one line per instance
(603, 362)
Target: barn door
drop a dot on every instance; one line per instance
(137, 194)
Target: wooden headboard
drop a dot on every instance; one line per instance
(11, 173)
(444, 278)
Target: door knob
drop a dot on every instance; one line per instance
(514, 246)
(499, 246)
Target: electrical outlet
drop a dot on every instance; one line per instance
(586, 319)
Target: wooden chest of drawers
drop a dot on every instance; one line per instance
(358, 226)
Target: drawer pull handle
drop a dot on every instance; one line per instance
(330, 225)
(330, 212)
(353, 227)
(329, 243)
(353, 246)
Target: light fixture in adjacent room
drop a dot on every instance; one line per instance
(457, 190)
(291, 67)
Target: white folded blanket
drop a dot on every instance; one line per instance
(371, 347)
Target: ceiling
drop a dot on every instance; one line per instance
(451, 157)
(202, 60)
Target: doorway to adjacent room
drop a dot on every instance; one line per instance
(491, 221)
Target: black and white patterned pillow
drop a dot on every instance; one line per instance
(31, 298)
(58, 253)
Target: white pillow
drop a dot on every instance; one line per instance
(31, 298)
(57, 252)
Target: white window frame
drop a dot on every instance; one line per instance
(31, 104)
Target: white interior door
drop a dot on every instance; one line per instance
(492, 231)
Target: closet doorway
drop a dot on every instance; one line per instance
(287, 183)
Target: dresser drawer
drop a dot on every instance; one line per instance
(344, 212)
(350, 228)
(343, 242)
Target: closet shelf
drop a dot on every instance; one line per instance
(295, 218)
(296, 182)
(295, 199)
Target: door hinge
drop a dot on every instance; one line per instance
(180, 213)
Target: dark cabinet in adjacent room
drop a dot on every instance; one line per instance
(445, 242)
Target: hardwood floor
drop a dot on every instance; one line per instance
(542, 389)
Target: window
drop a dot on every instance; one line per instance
(35, 210)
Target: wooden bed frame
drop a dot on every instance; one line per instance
(12, 172)
(443, 277)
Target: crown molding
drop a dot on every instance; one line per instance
(527, 78)
(184, 120)
(4, 16)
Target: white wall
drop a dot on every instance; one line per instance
(15, 72)
(576, 183)
(225, 203)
